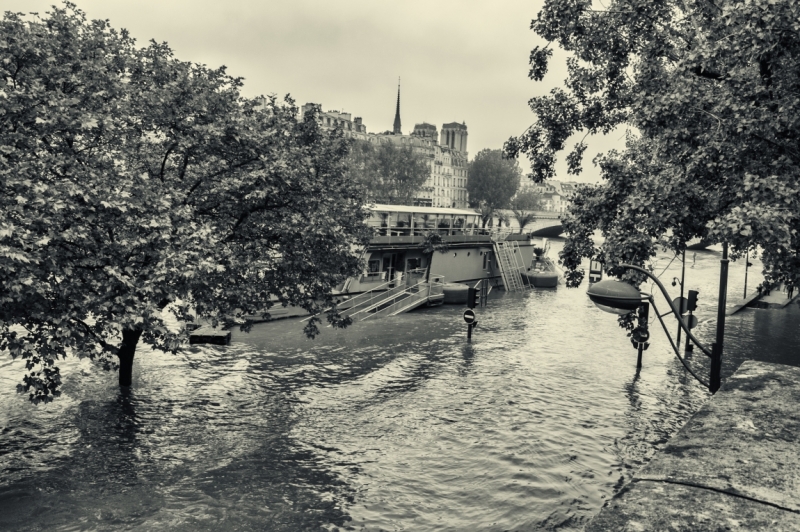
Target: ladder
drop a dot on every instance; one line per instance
(511, 264)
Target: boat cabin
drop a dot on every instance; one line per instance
(394, 255)
(402, 220)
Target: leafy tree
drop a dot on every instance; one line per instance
(711, 91)
(493, 180)
(432, 243)
(523, 206)
(389, 174)
(133, 182)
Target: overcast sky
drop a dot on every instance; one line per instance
(458, 60)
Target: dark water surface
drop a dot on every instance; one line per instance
(397, 424)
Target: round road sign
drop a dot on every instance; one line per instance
(469, 315)
(692, 322)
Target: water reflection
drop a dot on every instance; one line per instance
(393, 425)
(467, 356)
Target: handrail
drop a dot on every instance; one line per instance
(391, 299)
(373, 296)
(396, 311)
(381, 287)
(360, 299)
(354, 299)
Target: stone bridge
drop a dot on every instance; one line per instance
(546, 224)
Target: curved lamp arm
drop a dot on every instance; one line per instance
(674, 347)
(671, 306)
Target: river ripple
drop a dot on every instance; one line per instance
(393, 425)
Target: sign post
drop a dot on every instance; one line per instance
(640, 335)
(595, 271)
(476, 297)
(691, 305)
(469, 318)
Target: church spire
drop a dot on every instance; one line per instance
(397, 130)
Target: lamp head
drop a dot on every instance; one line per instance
(615, 297)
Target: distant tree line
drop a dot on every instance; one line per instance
(494, 184)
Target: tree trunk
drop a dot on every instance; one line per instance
(129, 340)
(428, 259)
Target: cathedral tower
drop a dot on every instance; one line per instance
(397, 130)
(454, 135)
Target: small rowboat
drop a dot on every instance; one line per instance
(542, 273)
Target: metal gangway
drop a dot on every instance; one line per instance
(394, 297)
(511, 264)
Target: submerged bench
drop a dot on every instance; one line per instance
(210, 335)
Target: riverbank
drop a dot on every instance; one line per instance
(733, 466)
(776, 298)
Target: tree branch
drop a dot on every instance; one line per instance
(215, 174)
(164, 160)
(105, 345)
(259, 208)
(185, 165)
(706, 73)
(784, 149)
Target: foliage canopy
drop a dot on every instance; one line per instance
(711, 90)
(134, 182)
(389, 174)
(493, 180)
(523, 206)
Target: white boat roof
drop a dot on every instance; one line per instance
(420, 210)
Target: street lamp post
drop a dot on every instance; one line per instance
(716, 357)
(622, 298)
(683, 280)
(746, 266)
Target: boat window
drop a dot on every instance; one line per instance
(419, 223)
(379, 222)
(387, 222)
(471, 224)
(444, 221)
(424, 222)
(459, 224)
(402, 225)
(374, 265)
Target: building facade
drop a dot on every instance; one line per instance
(352, 127)
(446, 152)
(556, 195)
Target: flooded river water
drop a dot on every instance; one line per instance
(397, 424)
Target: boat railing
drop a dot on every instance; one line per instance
(364, 298)
(498, 235)
(418, 237)
(370, 295)
(423, 289)
(384, 293)
(422, 231)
